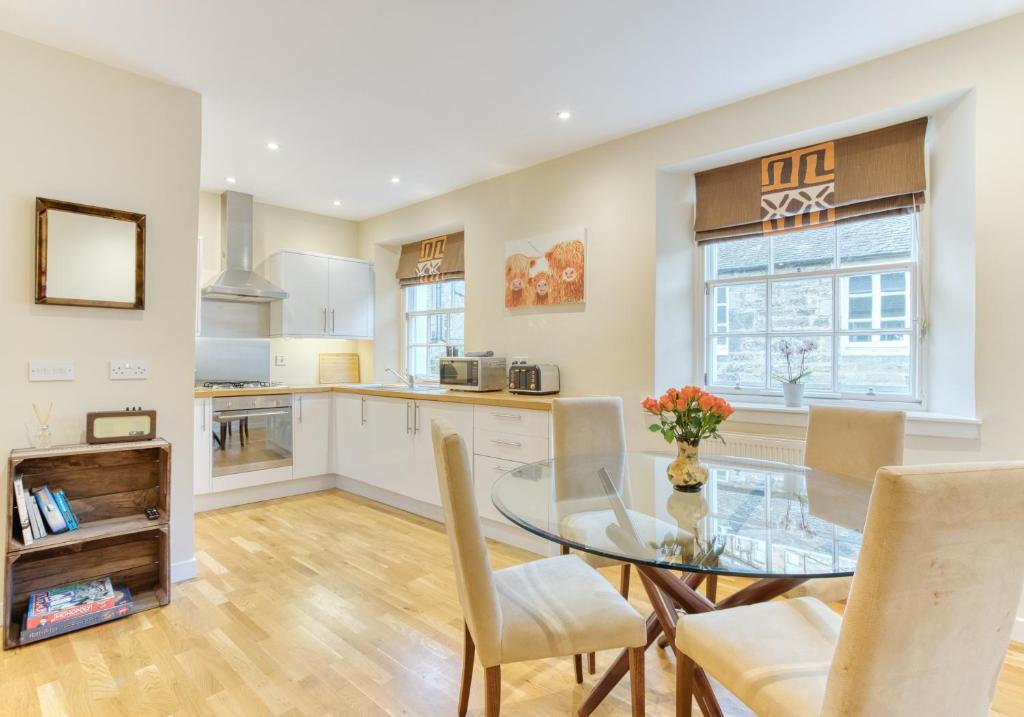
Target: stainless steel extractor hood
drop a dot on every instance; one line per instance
(238, 282)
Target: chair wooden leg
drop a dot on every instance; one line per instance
(624, 582)
(492, 695)
(577, 663)
(469, 652)
(636, 680)
(591, 662)
(684, 686)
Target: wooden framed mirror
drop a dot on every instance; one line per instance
(89, 256)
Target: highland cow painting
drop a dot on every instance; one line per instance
(545, 270)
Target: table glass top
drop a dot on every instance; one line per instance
(752, 518)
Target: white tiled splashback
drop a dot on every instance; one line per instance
(746, 445)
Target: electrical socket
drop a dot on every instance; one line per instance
(128, 370)
(280, 359)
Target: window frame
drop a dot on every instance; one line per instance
(407, 315)
(772, 394)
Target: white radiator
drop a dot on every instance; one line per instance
(747, 445)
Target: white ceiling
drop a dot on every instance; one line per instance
(444, 93)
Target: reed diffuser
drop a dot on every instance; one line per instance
(43, 438)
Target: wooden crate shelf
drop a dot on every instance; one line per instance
(108, 487)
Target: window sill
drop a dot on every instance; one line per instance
(919, 423)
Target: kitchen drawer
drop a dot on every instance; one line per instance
(486, 470)
(512, 420)
(510, 446)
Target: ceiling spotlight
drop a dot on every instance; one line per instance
(273, 146)
(564, 115)
(229, 180)
(337, 202)
(395, 180)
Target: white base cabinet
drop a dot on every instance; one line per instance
(311, 433)
(202, 446)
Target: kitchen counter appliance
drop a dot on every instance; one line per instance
(473, 373)
(535, 378)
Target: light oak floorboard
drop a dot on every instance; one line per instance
(320, 604)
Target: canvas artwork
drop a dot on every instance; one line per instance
(545, 270)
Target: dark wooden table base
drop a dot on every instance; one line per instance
(670, 591)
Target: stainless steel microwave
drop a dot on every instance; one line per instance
(474, 373)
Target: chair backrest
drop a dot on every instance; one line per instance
(935, 594)
(473, 575)
(589, 426)
(854, 441)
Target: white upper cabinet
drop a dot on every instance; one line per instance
(327, 296)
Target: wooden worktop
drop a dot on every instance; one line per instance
(503, 399)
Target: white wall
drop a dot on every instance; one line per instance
(76, 130)
(623, 194)
(275, 229)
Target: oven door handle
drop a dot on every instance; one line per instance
(260, 414)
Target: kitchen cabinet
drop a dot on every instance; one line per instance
(202, 448)
(420, 482)
(328, 296)
(311, 428)
(372, 439)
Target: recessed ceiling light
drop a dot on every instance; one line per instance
(229, 180)
(395, 180)
(564, 115)
(337, 202)
(273, 146)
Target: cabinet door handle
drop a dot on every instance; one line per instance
(509, 416)
(325, 319)
(408, 428)
(499, 442)
(204, 416)
(362, 411)
(502, 469)
(332, 321)
(300, 408)
(416, 418)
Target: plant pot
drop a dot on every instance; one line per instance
(685, 472)
(793, 393)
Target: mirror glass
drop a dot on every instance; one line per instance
(90, 258)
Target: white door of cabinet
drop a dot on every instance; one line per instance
(202, 449)
(389, 441)
(306, 278)
(311, 425)
(351, 450)
(421, 483)
(351, 299)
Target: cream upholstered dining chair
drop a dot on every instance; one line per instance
(553, 607)
(949, 537)
(853, 442)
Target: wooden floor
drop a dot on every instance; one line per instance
(323, 604)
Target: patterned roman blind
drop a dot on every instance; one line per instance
(867, 174)
(434, 259)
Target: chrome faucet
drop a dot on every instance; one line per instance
(409, 380)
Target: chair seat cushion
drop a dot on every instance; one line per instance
(825, 589)
(561, 606)
(590, 528)
(774, 656)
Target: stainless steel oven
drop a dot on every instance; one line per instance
(251, 433)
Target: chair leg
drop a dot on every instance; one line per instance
(636, 680)
(684, 686)
(469, 652)
(624, 581)
(591, 662)
(577, 663)
(492, 695)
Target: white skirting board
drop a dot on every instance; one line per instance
(184, 570)
(1017, 634)
(508, 534)
(255, 494)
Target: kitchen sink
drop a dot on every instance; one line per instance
(397, 387)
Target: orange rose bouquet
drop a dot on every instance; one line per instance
(688, 415)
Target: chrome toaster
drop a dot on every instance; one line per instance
(536, 378)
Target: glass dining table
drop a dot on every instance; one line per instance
(777, 524)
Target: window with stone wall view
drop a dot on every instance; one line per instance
(849, 289)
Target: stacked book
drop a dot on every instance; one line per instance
(71, 607)
(41, 512)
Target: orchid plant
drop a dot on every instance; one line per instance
(687, 415)
(795, 354)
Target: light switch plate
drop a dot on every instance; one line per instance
(128, 370)
(280, 359)
(51, 370)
